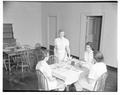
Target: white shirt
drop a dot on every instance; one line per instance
(60, 45)
(88, 57)
(44, 67)
(95, 72)
(46, 70)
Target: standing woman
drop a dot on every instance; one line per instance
(61, 50)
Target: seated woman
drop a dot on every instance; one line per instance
(37, 54)
(42, 65)
(95, 72)
(88, 55)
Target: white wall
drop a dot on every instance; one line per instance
(26, 20)
(70, 19)
(30, 24)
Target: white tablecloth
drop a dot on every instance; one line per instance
(67, 73)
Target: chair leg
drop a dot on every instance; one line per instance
(22, 67)
(67, 88)
(4, 65)
(9, 66)
(85, 90)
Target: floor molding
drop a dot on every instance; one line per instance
(112, 68)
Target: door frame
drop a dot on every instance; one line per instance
(82, 39)
(98, 35)
(48, 32)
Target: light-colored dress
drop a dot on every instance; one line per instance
(46, 70)
(60, 45)
(88, 57)
(95, 72)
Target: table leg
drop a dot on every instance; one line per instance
(9, 65)
(67, 88)
(4, 64)
(22, 67)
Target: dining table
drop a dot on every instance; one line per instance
(67, 71)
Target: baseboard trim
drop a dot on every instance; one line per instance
(43, 47)
(112, 68)
(75, 56)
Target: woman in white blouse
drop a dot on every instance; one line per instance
(88, 55)
(61, 50)
(42, 65)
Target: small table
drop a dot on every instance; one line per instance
(15, 55)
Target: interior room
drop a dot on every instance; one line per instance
(31, 24)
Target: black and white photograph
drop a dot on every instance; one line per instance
(60, 46)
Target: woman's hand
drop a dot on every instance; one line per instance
(51, 78)
(69, 57)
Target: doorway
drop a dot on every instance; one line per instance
(93, 30)
(52, 32)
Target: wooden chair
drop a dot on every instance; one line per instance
(100, 83)
(42, 81)
(52, 59)
(6, 62)
(23, 60)
(32, 59)
(38, 56)
(10, 61)
(13, 61)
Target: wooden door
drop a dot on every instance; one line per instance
(93, 33)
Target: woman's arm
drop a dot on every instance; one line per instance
(55, 50)
(92, 74)
(68, 51)
(47, 72)
(55, 47)
(90, 81)
(68, 48)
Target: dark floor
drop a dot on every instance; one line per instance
(27, 81)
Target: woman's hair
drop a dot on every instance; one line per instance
(61, 30)
(44, 53)
(37, 46)
(99, 56)
(90, 44)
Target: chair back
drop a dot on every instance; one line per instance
(38, 54)
(6, 61)
(27, 47)
(25, 57)
(32, 59)
(22, 60)
(100, 83)
(42, 81)
(52, 59)
(5, 45)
